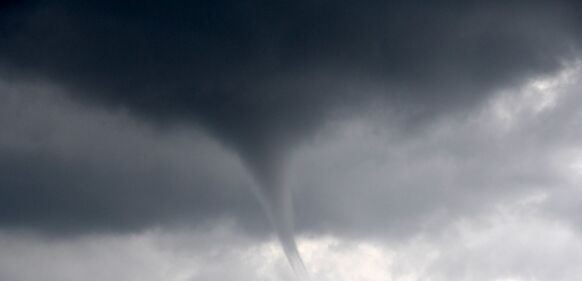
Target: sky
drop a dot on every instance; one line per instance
(290, 140)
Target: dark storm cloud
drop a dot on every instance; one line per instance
(46, 192)
(261, 74)
(70, 169)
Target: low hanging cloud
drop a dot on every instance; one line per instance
(369, 180)
(262, 75)
(76, 169)
(68, 168)
(510, 243)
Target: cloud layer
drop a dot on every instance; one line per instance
(261, 75)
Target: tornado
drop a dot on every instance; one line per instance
(276, 200)
(277, 204)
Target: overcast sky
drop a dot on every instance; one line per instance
(416, 140)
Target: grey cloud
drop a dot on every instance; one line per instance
(512, 243)
(369, 180)
(404, 118)
(261, 75)
(66, 168)
(149, 255)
